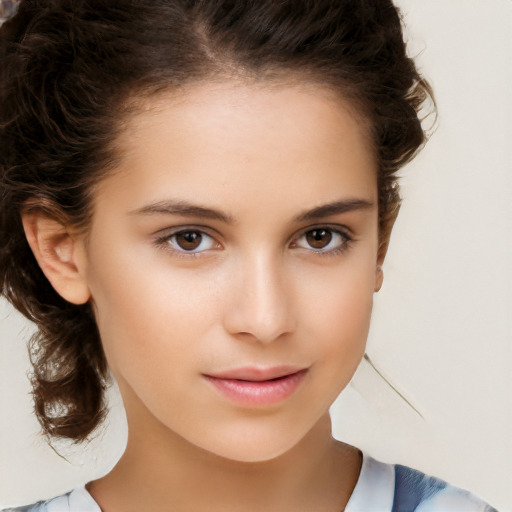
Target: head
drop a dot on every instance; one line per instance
(92, 92)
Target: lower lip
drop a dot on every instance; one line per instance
(266, 392)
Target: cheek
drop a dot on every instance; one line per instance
(343, 323)
(337, 312)
(342, 345)
(151, 317)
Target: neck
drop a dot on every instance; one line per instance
(167, 473)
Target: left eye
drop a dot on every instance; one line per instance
(322, 240)
(191, 241)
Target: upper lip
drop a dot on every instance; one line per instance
(257, 373)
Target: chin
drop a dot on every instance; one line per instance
(255, 453)
(252, 447)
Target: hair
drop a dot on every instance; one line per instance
(70, 70)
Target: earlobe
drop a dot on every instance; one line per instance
(58, 254)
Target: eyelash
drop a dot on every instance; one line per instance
(346, 241)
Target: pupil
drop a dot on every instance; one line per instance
(319, 238)
(189, 240)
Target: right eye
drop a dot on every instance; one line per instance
(190, 241)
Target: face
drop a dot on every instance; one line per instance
(232, 262)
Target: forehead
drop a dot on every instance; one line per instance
(232, 141)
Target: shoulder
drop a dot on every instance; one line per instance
(77, 500)
(417, 491)
(395, 488)
(35, 507)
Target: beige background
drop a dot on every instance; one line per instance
(442, 326)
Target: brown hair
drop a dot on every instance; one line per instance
(68, 68)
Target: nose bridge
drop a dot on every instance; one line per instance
(261, 302)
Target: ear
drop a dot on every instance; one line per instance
(59, 254)
(379, 274)
(386, 224)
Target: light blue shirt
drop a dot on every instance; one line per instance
(380, 488)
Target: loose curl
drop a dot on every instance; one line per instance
(69, 70)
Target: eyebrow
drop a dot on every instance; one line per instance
(187, 209)
(334, 208)
(184, 209)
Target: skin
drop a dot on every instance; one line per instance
(254, 292)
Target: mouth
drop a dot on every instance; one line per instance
(257, 386)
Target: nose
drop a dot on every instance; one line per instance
(261, 302)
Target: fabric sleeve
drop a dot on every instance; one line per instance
(417, 492)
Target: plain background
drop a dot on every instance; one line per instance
(442, 326)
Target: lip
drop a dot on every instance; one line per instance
(256, 386)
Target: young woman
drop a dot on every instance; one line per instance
(196, 200)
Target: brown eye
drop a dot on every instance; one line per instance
(189, 240)
(323, 241)
(319, 238)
